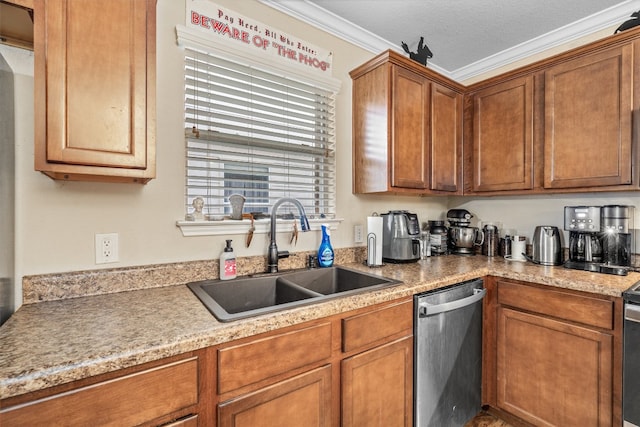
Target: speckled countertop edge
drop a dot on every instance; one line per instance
(55, 342)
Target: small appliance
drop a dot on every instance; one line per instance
(547, 245)
(400, 237)
(462, 237)
(599, 238)
(616, 235)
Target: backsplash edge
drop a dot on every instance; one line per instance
(75, 284)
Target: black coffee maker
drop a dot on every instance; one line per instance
(585, 247)
(599, 238)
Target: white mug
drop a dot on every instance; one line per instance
(518, 248)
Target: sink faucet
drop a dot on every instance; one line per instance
(274, 255)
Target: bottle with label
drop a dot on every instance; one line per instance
(325, 252)
(228, 263)
(438, 237)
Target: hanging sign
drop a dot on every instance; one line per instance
(223, 24)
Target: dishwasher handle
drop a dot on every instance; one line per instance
(430, 309)
(632, 313)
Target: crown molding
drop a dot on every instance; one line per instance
(607, 18)
(321, 18)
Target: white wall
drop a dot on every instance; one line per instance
(523, 213)
(57, 221)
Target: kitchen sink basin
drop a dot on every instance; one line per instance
(245, 297)
(251, 296)
(334, 280)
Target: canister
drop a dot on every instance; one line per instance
(491, 240)
(438, 237)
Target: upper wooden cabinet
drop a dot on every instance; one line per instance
(588, 134)
(95, 89)
(502, 137)
(568, 123)
(407, 128)
(564, 124)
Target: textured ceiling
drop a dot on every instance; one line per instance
(459, 32)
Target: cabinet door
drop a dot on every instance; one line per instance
(446, 139)
(503, 136)
(95, 68)
(303, 401)
(410, 130)
(588, 131)
(553, 373)
(377, 386)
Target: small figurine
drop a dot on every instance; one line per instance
(630, 23)
(198, 205)
(422, 54)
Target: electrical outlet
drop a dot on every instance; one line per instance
(106, 248)
(358, 234)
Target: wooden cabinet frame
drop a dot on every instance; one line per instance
(94, 85)
(407, 129)
(566, 342)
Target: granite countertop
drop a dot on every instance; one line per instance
(50, 343)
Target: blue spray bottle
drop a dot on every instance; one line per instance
(325, 252)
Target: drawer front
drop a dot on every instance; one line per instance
(129, 400)
(359, 332)
(249, 363)
(563, 305)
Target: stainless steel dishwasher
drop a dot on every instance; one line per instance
(631, 358)
(448, 355)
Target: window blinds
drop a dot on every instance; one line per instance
(258, 134)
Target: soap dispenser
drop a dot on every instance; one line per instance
(228, 262)
(325, 251)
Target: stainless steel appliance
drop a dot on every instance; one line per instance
(600, 238)
(400, 237)
(462, 237)
(491, 240)
(448, 355)
(631, 358)
(547, 245)
(616, 222)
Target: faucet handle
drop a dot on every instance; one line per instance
(304, 223)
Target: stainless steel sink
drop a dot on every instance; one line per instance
(251, 296)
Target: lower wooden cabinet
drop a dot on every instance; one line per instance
(351, 369)
(304, 400)
(136, 398)
(552, 372)
(552, 357)
(377, 386)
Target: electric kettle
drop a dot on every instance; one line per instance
(546, 245)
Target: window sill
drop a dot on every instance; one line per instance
(230, 226)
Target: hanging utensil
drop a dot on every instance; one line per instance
(294, 235)
(252, 228)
